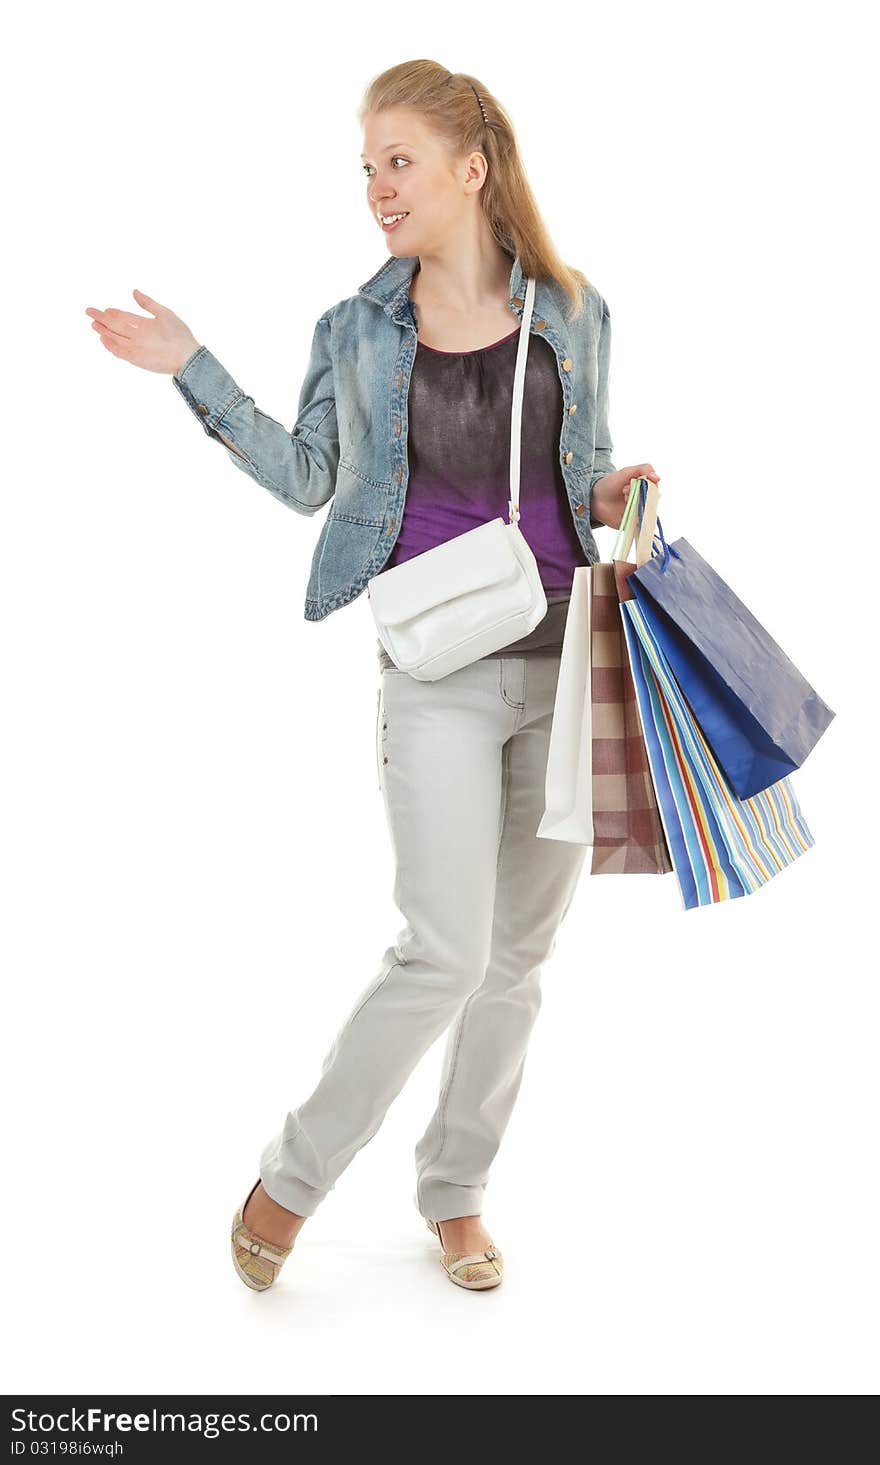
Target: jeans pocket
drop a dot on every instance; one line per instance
(381, 735)
(376, 737)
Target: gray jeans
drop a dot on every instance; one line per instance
(461, 764)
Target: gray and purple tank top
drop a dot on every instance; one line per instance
(459, 467)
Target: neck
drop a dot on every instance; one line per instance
(465, 275)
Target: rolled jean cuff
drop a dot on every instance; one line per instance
(284, 1189)
(439, 1200)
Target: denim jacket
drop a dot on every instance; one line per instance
(349, 442)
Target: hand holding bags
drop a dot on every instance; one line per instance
(720, 845)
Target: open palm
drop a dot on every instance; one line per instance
(160, 341)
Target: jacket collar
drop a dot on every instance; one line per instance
(389, 288)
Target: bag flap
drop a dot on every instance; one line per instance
(471, 561)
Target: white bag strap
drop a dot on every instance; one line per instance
(516, 415)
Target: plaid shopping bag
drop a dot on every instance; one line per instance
(628, 835)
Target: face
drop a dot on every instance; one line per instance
(408, 171)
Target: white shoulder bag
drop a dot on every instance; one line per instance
(473, 594)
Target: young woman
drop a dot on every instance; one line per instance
(404, 421)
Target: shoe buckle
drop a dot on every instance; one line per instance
(254, 1248)
(490, 1254)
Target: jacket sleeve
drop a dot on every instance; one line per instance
(298, 466)
(602, 463)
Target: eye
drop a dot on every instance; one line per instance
(397, 158)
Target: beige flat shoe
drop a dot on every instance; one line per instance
(257, 1262)
(475, 1269)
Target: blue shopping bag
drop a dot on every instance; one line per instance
(758, 713)
(722, 847)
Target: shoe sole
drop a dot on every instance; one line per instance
(474, 1286)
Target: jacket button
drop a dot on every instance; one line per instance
(202, 408)
(572, 408)
(391, 524)
(540, 324)
(517, 301)
(399, 474)
(567, 364)
(579, 509)
(568, 457)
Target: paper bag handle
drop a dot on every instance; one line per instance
(631, 529)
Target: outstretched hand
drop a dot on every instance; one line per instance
(160, 341)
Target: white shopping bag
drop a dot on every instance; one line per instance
(568, 794)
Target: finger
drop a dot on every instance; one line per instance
(115, 345)
(123, 322)
(98, 315)
(147, 302)
(120, 322)
(110, 329)
(626, 488)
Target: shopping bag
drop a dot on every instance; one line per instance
(722, 846)
(598, 783)
(568, 811)
(628, 837)
(758, 713)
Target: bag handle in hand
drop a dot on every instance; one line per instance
(637, 523)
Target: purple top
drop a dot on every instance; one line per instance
(459, 466)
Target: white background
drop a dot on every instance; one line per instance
(197, 872)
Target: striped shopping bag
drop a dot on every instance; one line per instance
(721, 846)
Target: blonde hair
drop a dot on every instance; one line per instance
(466, 123)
